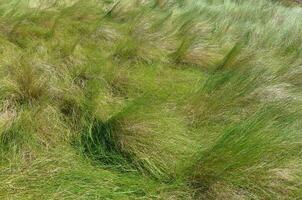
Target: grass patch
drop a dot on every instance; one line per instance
(159, 99)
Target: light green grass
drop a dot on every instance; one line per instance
(163, 99)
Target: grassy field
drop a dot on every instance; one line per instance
(150, 99)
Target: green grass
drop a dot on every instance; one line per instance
(155, 99)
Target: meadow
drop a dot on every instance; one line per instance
(150, 99)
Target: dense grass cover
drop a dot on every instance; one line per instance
(150, 99)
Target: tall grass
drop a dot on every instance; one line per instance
(163, 99)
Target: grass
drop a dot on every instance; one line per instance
(163, 99)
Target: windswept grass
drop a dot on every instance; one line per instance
(150, 99)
